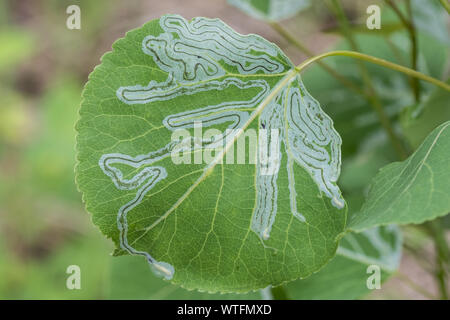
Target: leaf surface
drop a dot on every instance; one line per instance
(204, 209)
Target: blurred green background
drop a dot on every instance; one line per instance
(43, 67)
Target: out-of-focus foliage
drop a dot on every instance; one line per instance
(17, 45)
(43, 227)
(345, 277)
(271, 10)
(419, 120)
(41, 223)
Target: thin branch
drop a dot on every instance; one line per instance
(409, 25)
(442, 256)
(414, 50)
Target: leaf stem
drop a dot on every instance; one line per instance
(394, 49)
(374, 60)
(442, 256)
(292, 40)
(446, 5)
(425, 264)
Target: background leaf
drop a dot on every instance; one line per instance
(345, 277)
(412, 191)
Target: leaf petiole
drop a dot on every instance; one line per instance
(374, 60)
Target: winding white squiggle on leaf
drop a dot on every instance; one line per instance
(269, 146)
(312, 142)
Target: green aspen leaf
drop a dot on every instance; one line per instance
(412, 191)
(359, 256)
(271, 10)
(250, 201)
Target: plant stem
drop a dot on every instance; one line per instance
(403, 277)
(374, 60)
(414, 50)
(278, 293)
(446, 5)
(374, 100)
(292, 40)
(409, 25)
(442, 256)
